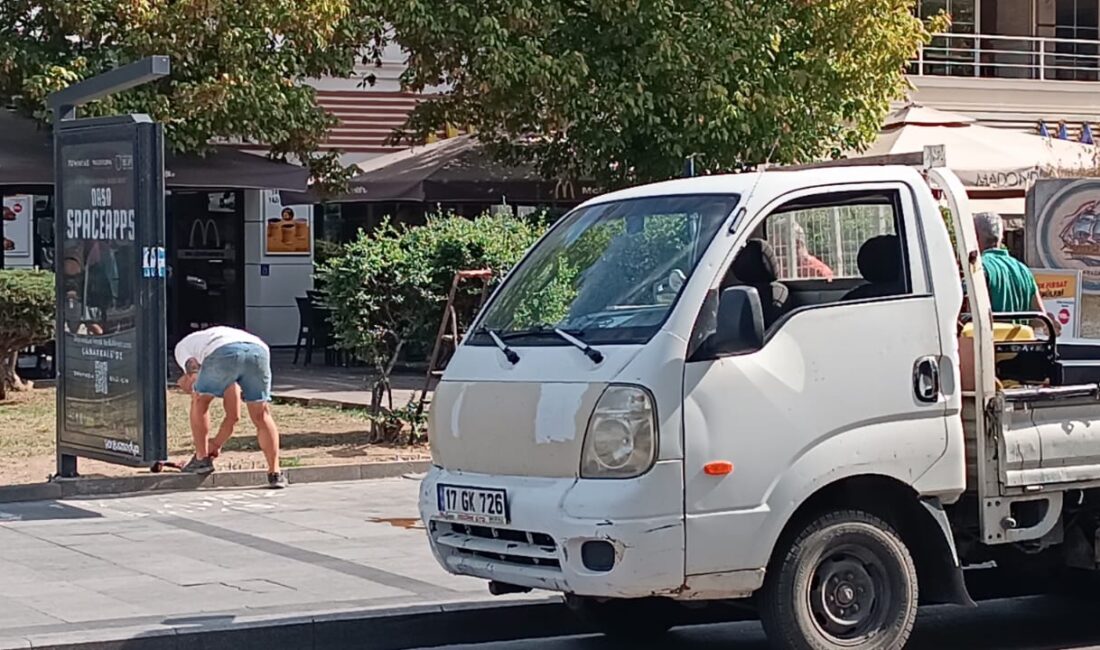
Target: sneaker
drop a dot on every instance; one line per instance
(277, 481)
(199, 466)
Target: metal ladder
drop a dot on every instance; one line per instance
(449, 333)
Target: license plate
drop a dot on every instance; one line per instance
(473, 505)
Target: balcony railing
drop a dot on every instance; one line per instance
(1009, 57)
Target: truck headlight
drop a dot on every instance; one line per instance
(621, 440)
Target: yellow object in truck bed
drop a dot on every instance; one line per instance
(1002, 332)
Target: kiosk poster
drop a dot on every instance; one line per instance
(288, 228)
(108, 298)
(18, 211)
(1060, 291)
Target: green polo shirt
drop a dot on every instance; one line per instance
(1011, 284)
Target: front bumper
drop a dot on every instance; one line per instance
(551, 519)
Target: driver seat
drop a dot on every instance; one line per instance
(756, 266)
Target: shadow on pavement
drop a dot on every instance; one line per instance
(1045, 623)
(43, 511)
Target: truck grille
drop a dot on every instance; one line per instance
(515, 547)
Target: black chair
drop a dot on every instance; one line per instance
(322, 336)
(307, 330)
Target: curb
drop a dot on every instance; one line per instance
(402, 628)
(312, 402)
(81, 487)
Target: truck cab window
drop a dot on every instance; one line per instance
(824, 251)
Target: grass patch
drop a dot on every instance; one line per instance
(28, 421)
(312, 435)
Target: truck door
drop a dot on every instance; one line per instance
(845, 383)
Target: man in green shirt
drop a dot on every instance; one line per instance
(1012, 286)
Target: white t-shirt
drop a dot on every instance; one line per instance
(198, 345)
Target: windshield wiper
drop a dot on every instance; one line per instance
(542, 330)
(592, 353)
(509, 353)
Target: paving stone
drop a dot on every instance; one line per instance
(194, 559)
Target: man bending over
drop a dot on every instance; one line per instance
(213, 360)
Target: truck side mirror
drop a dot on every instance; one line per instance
(740, 323)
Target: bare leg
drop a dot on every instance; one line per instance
(200, 423)
(266, 432)
(231, 401)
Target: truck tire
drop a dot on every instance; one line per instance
(844, 581)
(624, 619)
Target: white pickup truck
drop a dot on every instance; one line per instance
(669, 401)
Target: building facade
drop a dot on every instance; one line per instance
(1014, 63)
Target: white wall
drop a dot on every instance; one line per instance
(270, 309)
(387, 76)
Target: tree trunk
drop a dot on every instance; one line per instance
(9, 378)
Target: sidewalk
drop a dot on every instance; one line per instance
(121, 567)
(320, 383)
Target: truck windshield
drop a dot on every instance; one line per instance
(607, 273)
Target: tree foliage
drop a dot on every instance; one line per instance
(26, 317)
(627, 260)
(623, 91)
(387, 289)
(237, 65)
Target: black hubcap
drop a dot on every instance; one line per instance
(850, 594)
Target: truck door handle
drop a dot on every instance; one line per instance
(926, 380)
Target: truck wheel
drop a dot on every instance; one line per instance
(845, 581)
(624, 619)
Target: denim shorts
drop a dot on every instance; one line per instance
(246, 364)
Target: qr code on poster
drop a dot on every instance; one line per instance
(101, 377)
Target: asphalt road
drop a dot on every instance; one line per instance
(1017, 624)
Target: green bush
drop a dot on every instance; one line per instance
(387, 289)
(26, 317)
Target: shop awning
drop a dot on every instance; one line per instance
(229, 168)
(26, 161)
(985, 158)
(455, 170)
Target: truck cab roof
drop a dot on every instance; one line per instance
(773, 182)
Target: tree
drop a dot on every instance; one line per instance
(237, 65)
(26, 318)
(623, 91)
(387, 289)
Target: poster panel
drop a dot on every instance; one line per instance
(111, 324)
(18, 215)
(288, 230)
(1061, 294)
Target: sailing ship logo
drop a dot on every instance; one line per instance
(1080, 234)
(1067, 231)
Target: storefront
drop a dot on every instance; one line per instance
(235, 254)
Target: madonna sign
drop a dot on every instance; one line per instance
(1005, 179)
(110, 286)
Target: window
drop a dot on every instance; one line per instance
(607, 273)
(825, 249)
(824, 242)
(963, 13)
(951, 55)
(1077, 21)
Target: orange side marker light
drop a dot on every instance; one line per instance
(718, 468)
